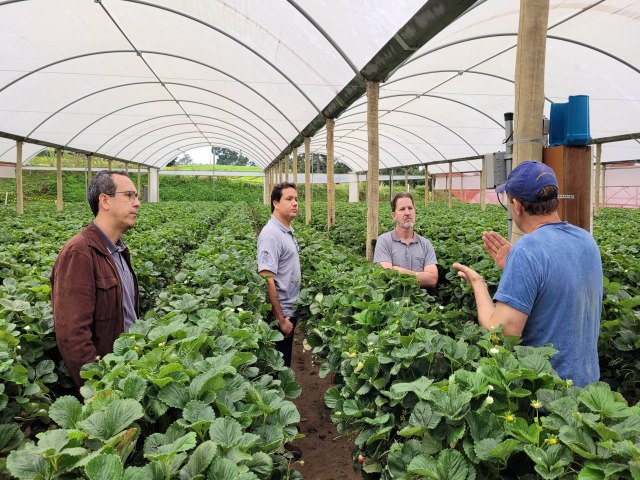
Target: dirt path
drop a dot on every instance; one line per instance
(325, 456)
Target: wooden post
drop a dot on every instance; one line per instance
(280, 168)
(126, 168)
(139, 182)
(603, 203)
(426, 186)
(307, 180)
(529, 85)
(331, 186)
(89, 173)
(373, 174)
(391, 189)
(109, 164)
(19, 192)
(483, 185)
(295, 165)
(358, 185)
(158, 185)
(406, 179)
(596, 204)
(59, 179)
(286, 168)
(450, 183)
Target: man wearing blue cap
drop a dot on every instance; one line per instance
(551, 286)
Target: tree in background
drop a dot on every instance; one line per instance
(182, 159)
(319, 164)
(224, 156)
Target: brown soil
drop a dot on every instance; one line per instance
(326, 456)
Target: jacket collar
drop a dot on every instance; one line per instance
(95, 238)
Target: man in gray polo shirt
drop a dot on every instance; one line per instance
(404, 250)
(279, 263)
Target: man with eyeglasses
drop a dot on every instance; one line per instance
(551, 285)
(94, 292)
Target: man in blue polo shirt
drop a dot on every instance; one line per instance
(404, 250)
(551, 287)
(279, 262)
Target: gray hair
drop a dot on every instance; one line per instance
(102, 183)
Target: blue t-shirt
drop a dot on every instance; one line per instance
(554, 275)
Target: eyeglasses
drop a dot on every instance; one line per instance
(506, 199)
(131, 195)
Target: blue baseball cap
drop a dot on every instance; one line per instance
(527, 179)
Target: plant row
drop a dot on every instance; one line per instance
(426, 393)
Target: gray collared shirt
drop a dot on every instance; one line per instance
(278, 253)
(413, 256)
(126, 277)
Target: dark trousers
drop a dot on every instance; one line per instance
(285, 346)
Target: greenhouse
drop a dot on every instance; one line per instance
(268, 160)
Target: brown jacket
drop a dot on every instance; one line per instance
(86, 297)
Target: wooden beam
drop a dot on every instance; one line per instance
(285, 160)
(483, 185)
(19, 192)
(307, 180)
(59, 205)
(139, 183)
(406, 180)
(294, 156)
(373, 173)
(529, 85)
(331, 186)
(450, 183)
(596, 203)
(426, 186)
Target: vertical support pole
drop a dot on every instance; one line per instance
(307, 180)
(406, 179)
(294, 159)
(89, 173)
(19, 192)
(596, 206)
(603, 203)
(358, 186)
(149, 194)
(59, 179)
(426, 186)
(483, 184)
(285, 160)
(391, 186)
(331, 186)
(126, 168)
(280, 168)
(462, 187)
(373, 174)
(109, 164)
(139, 183)
(450, 183)
(529, 85)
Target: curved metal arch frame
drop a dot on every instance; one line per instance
(404, 130)
(183, 115)
(234, 39)
(168, 145)
(256, 152)
(196, 131)
(182, 149)
(495, 35)
(459, 73)
(106, 52)
(113, 87)
(423, 95)
(383, 136)
(429, 119)
(359, 159)
(384, 165)
(157, 101)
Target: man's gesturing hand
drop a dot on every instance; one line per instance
(497, 246)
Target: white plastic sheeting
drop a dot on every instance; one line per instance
(448, 100)
(145, 80)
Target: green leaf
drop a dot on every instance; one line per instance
(223, 469)
(196, 411)
(26, 465)
(599, 398)
(579, 441)
(425, 466)
(261, 464)
(524, 432)
(226, 432)
(288, 383)
(490, 448)
(104, 467)
(332, 398)
(174, 394)
(66, 411)
(550, 463)
(451, 465)
(10, 436)
(115, 418)
(199, 460)
(452, 404)
(182, 444)
(423, 416)
(134, 387)
(420, 387)
(139, 473)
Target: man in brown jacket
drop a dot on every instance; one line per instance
(94, 292)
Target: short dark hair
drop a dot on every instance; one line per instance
(276, 193)
(399, 195)
(547, 204)
(102, 183)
